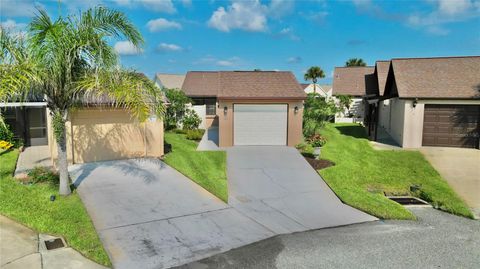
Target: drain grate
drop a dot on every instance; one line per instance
(54, 244)
(407, 200)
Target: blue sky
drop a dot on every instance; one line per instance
(278, 34)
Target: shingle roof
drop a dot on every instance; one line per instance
(382, 73)
(170, 81)
(447, 77)
(243, 85)
(353, 80)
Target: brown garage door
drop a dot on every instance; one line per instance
(451, 126)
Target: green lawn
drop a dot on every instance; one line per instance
(30, 205)
(206, 168)
(362, 174)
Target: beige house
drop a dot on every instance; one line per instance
(430, 101)
(249, 107)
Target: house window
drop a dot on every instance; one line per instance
(210, 104)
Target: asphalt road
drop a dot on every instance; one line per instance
(435, 240)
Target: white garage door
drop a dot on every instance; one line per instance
(264, 124)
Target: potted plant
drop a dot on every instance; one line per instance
(317, 141)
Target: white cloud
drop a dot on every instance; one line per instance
(12, 25)
(165, 6)
(227, 62)
(280, 8)
(165, 47)
(126, 48)
(187, 3)
(294, 60)
(162, 24)
(244, 15)
(288, 33)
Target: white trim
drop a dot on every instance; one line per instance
(28, 104)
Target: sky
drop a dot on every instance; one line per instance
(188, 35)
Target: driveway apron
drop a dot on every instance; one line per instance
(279, 189)
(148, 215)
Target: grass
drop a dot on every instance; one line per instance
(362, 174)
(66, 216)
(206, 168)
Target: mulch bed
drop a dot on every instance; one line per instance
(318, 164)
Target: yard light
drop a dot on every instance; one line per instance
(415, 102)
(295, 109)
(225, 109)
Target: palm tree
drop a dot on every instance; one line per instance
(313, 73)
(355, 62)
(69, 59)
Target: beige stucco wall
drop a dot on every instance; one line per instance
(406, 121)
(211, 121)
(225, 121)
(99, 134)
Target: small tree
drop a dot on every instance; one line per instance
(313, 74)
(317, 111)
(176, 109)
(344, 102)
(191, 120)
(355, 62)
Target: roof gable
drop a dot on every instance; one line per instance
(355, 81)
(381, 71)
(170, 81)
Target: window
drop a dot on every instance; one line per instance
(210, 104)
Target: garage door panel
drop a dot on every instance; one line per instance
(451, 125)
(260, 124)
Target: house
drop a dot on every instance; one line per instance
(357, 82)
(168, 81)
(430, 101)
(96, 131)
(323, 90)
(248, 107)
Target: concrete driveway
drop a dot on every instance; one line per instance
(148, 215)
(278, 188)
(460, 168)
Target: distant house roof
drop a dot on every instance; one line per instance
(355, 81)
(381, 68)
(445, 77)
(170, 81)
(304, 85)
(243, 85)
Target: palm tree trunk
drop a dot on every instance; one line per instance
(314, 87)
(62, 163)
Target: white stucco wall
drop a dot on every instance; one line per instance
(357, 108)
(397, 112)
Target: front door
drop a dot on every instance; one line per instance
(37, 126)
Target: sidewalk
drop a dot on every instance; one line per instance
(21, 247)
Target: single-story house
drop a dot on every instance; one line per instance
(323, 89)
(97, 131)
(430, 101)
(249, 107)
(168, 81)
(356, 81)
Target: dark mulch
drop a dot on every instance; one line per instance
(318, 164)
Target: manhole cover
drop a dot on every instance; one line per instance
(407, 200)
(54, 243)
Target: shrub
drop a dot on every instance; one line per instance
(42, 174)
(176, 109)
(317, 140)
(6, 133)
(191, 120)
(195, 134)
(180, 131)
(317, 111)
(305, 149)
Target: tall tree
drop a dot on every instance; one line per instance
(313, 74)
(355, 62)
(68, 60)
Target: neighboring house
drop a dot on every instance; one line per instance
(249, 107)
(168, 81)
(430, 101)
(358, 82)
(323, 90)
(96, 131)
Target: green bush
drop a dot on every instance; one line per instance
(196, 134)
(6, 133)
(191, 120)
(177, 108)
(305, 148)
(43, 175)
(316, 140)
(180, 131)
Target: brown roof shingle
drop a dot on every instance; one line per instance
(447, 77)
(355, 81)
(381, 68)
(243, 85)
